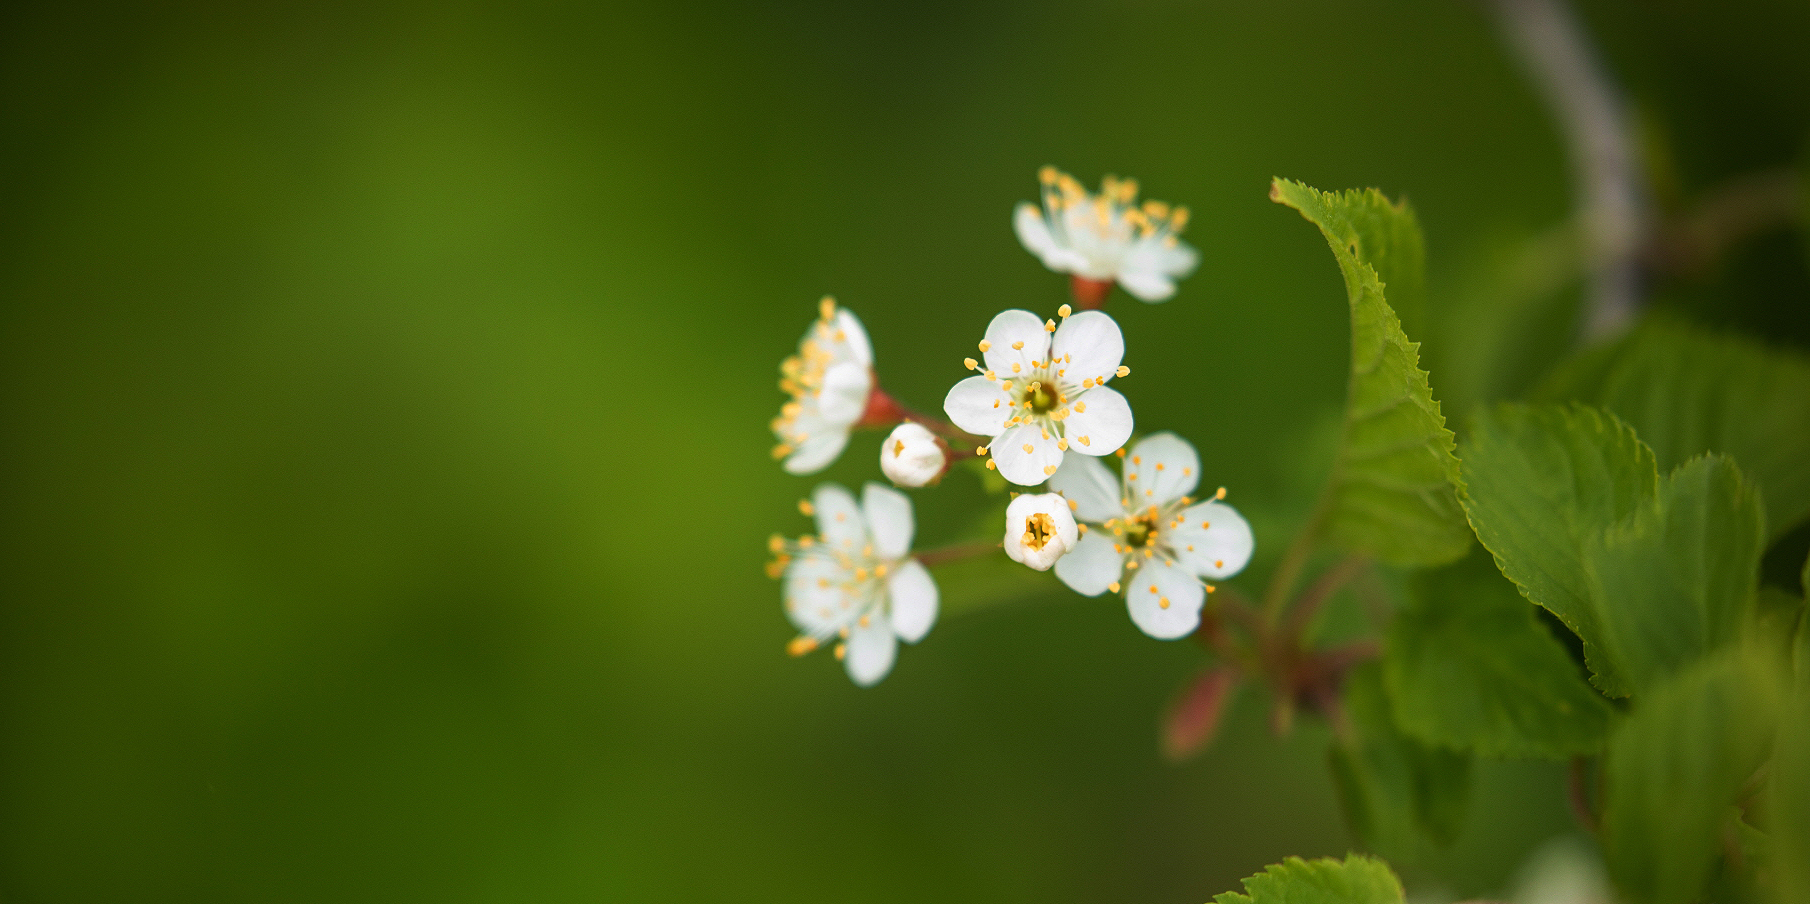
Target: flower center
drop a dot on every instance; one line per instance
(1140, 531)
(1040, 399)
(1038, 529)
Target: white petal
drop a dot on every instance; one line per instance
(1034, 231)
(978, 406)
(1167, 469)
(1092, 566)
(821, 446)
(1147, 589)
(1090, 486)
(1154, 255)
(816, 594)
(838, 518)
(843, 395)
(1221, 549)
(914, 601)
(1026, 468)
(1090, 345)
(1056, 531)
(853, 338)
(1101, 415)
(1015, 328)
(1147, 285)
(889, 522)
(871, 650)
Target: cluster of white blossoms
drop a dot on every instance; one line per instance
(1040, 392)
(1106, 238)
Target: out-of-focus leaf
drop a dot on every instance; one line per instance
(1355, 880)
(1675, 767)
(1788, 797)
(1540, 482)
(1677, 579)
(1398, 792)
(1392, 495)
(1193, 718)
(1469, 666)
(1688, 391)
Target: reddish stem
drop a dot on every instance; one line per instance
(1578, 795)
(1090, 294)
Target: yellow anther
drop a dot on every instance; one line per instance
(1211, 588)
(1178, 219)
(823, 583)
(866, 621)
(841, 650)
(782, 450)
(801, 645)
(1120, 453)
(1124, 371)
(861, 575)
(1132, 476)
(1062, 444)
(970, 364)
(1015, 367)
(805, 506)
(827, 307)
(776, 544)
(1049, 326)
(1219, 493)
(1048, 175)
(1190, 547)
(1159, 466)
(1152, 588)
(984, 345)
(1085, 441)
(841, 516)
(879, 571)
(1073, 505)
(1048, 470)
(992, 465)
(1081, 407)
(1132, 564)
(807, 541)
(898, 446)
(1081, 528)
(1018, 346)
(1114, 586)
(1087, 383)
(992, 376)
(1187, 472)
(1217, 563)
(1028, 448)
(1064, 311)
(1162, 602)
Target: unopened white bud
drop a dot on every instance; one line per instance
(912, 456)
(1039, 530)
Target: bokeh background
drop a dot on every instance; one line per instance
(384, 410)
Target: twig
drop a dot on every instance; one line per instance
(931, 558)
(1579, 796)
(1606, 169)
(1741, 207)
(1309, 603)
(1288, 571)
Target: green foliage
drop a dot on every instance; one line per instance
(1391, 495)
(1397, 791)
(1539, 484)
(1687, 391)
(1677, 579)
(1788, 798)
(1470, 667)
(1676, 767)
(1355, 880)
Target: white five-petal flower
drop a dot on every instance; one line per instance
(1107, 237)
(1043, 392)
(829, 381)
(856, 580)
(1149, 537)
(1040, 529)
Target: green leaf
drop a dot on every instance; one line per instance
(1470, 667)
(1398, 793)
(1355, 880)
(1688, 391)
(1676, 765)
(1539, 484)
(1788, 801)
(1677, 579)
(1392, 493)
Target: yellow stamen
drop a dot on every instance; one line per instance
(1114, 586)
(805, 506)
(1124, 371)
(985, 345)
(1064, 311)
(801, 645)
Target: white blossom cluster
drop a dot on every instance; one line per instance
(1039, 392)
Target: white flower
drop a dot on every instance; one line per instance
(1147, 532)
(1041, 397)
(912, 456)
(829, 380)
(855, 581)
(1107, 237)
(1039, 530)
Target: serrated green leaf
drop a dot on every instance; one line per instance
(1688, 391)
(1470, 667)
(1392, 493)
(1677, 579)
(1539, 484)
(1675, 767)
(1398, 793)
(1355, 880)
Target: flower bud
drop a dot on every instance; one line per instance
(1039, 530)
(912, 456)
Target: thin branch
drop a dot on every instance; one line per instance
(1578, 794)
(931, 558)
(1309, 603)
(1744, 206)
(1553, 48)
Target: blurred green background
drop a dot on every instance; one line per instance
(385, 399)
